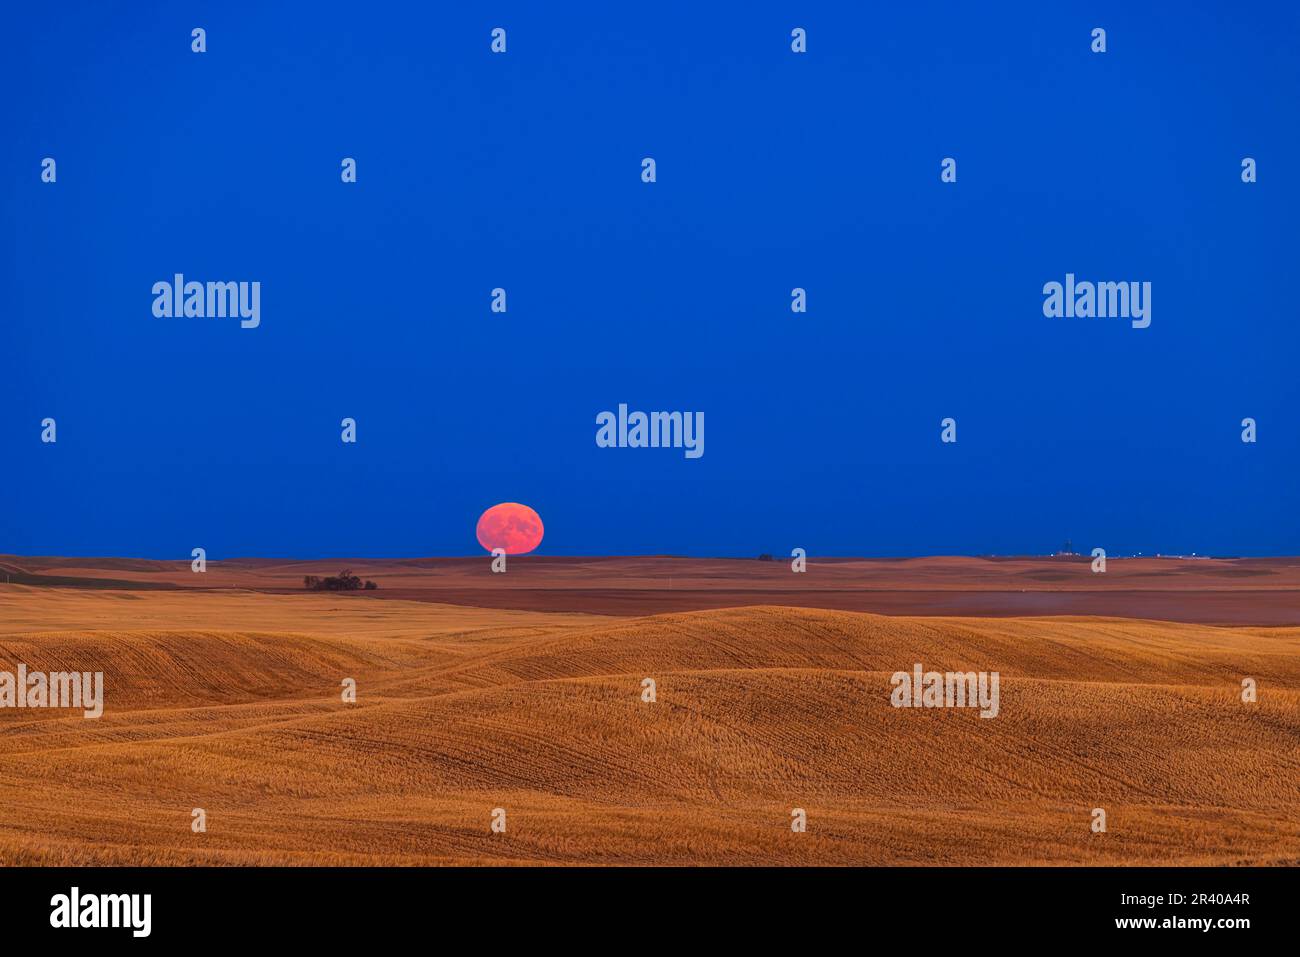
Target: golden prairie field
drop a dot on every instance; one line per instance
(229, 700)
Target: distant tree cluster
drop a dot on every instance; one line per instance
(343, 581)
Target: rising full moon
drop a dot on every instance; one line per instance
(514, 527)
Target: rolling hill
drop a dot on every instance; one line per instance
(230, 701)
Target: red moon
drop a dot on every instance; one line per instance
(514, 527)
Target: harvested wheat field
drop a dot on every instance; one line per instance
(1221, 591)
(230, 701)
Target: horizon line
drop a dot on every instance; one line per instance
(765, 556)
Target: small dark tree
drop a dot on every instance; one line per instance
(370, 586)
(343, 581)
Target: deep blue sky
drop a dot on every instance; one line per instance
(523, 171)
